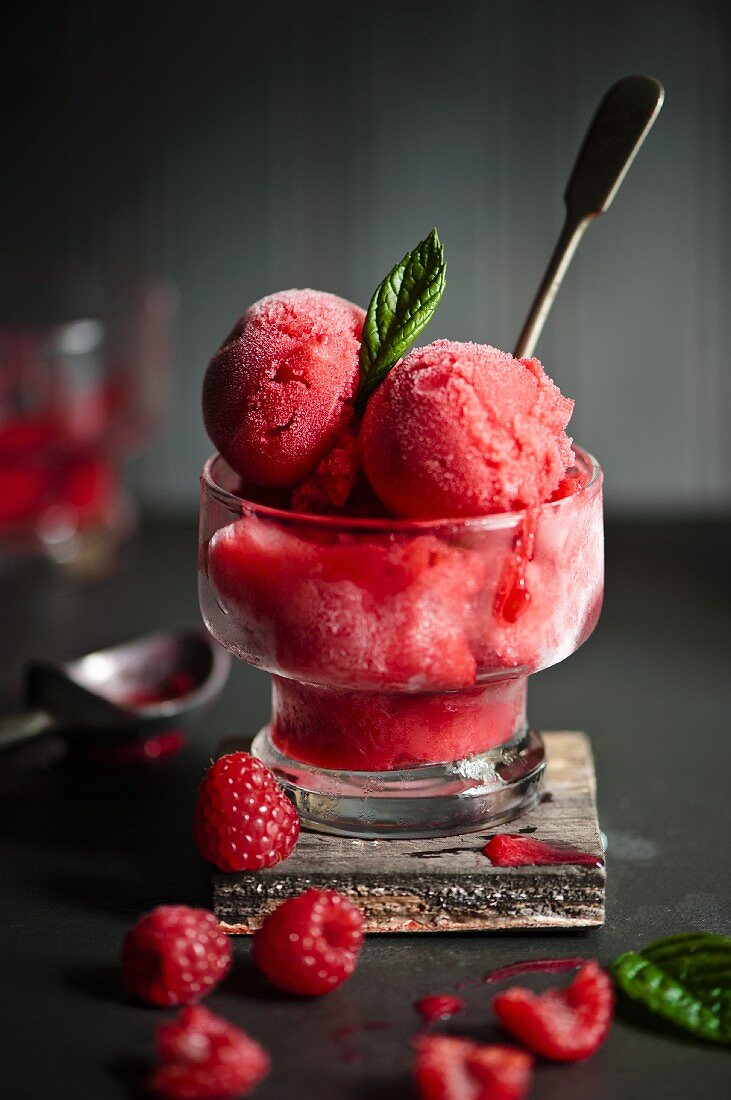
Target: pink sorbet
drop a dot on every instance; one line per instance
(330, 484)
(460, 429)
(281, 387)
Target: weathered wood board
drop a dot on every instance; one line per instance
(447, 885)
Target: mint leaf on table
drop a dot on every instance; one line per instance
(685, 979)
(401, 307)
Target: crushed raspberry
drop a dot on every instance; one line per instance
(310, 944)
(457, 1069)
(203, 1057)
(565, 1025)
(174, 955)
(243, 820)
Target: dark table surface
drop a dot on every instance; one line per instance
(86, 850)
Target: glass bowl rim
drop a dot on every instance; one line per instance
(492, 521)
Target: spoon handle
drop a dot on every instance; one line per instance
(619, 127)
(572, 232)
(15, 729)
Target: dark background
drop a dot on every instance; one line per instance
(242, 148)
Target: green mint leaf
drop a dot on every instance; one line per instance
(401, 307)
(685, 979)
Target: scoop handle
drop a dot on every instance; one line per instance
(619, 127)
(16, 729)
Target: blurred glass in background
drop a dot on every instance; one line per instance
(146, 138)
(81, 391)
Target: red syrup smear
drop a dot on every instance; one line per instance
(342, 1036)
(513, 596)
(514, 850)
(574, 480)
(161, 747)
(176, 686)
(533, 966)
(439, 1007)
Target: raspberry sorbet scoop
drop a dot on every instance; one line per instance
(460, 429)
(281, 387)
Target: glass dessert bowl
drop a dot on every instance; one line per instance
(400, 650)
(78, 397)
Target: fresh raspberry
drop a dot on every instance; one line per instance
(243, 819)
(565, 1025)
(174, 955)
(203, 1057)
(310, 944)
(457, 1069)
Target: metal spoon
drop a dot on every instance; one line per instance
(622, 122)
(120, 694)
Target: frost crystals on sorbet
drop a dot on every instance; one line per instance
(460, 429)
(282, 385)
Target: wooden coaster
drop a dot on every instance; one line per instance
(447, 885)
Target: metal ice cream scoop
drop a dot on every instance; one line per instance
(124, 693)
(622, 122)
